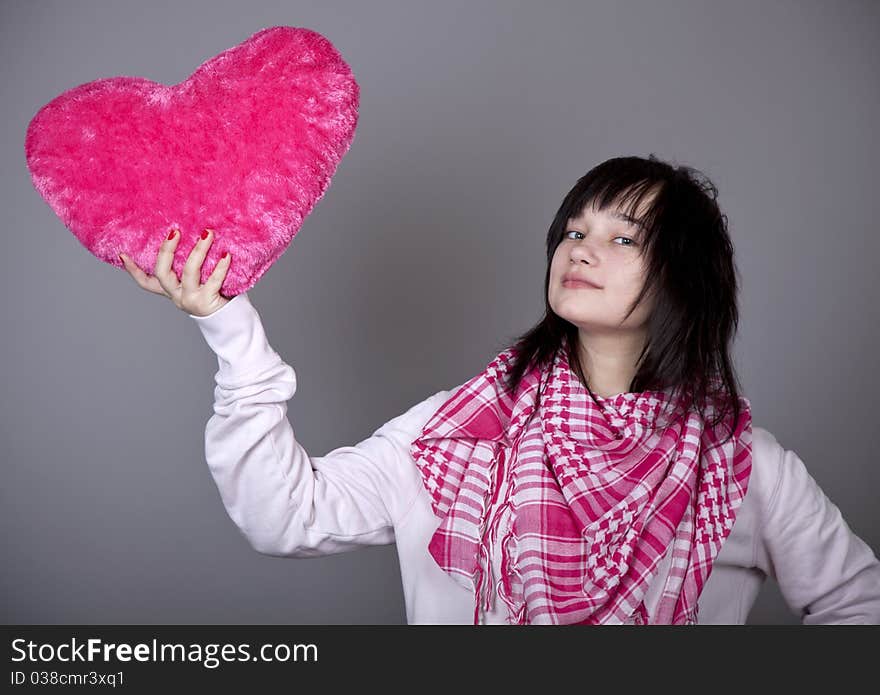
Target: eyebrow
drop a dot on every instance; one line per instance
(623, 218)
(626, 218)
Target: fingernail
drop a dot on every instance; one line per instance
(205, 234)
(171, 235)
(225, 254)
(122, 258)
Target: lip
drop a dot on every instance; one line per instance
(576, 282)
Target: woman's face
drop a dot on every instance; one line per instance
(606, 250)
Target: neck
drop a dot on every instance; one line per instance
(609, 360)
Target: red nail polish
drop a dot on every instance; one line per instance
(171, 235)
(225, 254)
(205, 234)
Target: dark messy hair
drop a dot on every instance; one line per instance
(689, 269)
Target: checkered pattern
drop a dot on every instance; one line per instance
(597, 490)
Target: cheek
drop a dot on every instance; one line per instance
(557, 270)
(630, 277)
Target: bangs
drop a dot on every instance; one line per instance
(617, 191)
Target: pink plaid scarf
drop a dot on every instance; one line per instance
(596, 495)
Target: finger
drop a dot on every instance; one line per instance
(191, 278)
(164, 274)
(147, 282)
(218, 275)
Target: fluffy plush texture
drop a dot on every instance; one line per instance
(245, 146)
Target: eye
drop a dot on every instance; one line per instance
(630, 242)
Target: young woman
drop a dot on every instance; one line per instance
(602, 469)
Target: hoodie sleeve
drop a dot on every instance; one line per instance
(826, 573)
(284, 501)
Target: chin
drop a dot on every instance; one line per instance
(576, 309)
(582, 319)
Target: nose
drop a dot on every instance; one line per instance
(582, 252)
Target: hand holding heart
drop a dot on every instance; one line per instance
(186, 293)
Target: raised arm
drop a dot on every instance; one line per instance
(285, 502)
(826, 573)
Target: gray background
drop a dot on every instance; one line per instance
(424, 257)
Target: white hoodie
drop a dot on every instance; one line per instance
(288, 503)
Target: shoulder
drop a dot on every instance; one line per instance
(764, 442)
(781, 480)
(407, 426)
(767, 461)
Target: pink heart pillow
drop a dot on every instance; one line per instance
(245, 146)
